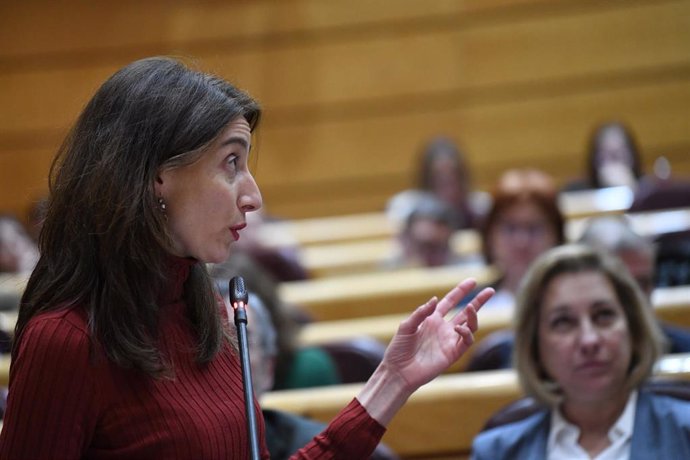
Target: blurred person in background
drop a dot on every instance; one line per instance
(425, 238)
(586, 343)
(613, 158)
(613, 235)
(523, 222)
(443, 171)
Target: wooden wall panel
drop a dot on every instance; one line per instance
(351, 89)
(43, 27)
(549, 133)
(379, 71)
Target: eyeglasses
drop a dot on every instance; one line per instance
(530, 230)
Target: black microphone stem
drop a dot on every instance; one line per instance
(238, 299)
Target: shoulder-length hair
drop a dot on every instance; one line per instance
(576, 258)
(104, 242)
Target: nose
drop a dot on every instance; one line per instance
(250, 195)
(589, 336)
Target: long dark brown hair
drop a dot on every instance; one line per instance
(103, 242)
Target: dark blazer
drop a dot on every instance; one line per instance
(661, 430)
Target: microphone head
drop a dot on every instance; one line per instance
(238, 293)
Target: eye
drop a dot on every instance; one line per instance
(232, 164)
(604, 316)
(562, 323)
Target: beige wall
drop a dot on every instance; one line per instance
(352, 88)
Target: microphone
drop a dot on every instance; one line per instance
(238, 300)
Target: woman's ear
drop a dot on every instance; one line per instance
(159, 184)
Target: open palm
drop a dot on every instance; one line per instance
(427, 343)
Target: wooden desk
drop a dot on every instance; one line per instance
(379, 293)
(353, 227)
(361, 256)
(331, 252)
(587, 203)
(672, 305)
(442, 417)
(350, 227)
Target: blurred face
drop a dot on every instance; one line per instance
(613, 148)
(614, 159)
(584, 339)
(447, 182)
(427, 243)
(520, 234)
(206, 201)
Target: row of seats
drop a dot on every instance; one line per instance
(442, 418)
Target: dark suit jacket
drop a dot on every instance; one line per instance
(661, 431)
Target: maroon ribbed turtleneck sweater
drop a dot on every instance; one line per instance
(62, 404)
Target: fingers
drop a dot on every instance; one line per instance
(456, 295)
(470, 318)
(477, 302)
(468, 315)
(465, 334)
(481, 298)
(410, 325)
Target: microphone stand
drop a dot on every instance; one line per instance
(238, 299)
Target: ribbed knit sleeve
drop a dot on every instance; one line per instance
(353, 434)
(52, 403)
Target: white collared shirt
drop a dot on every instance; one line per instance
(563, 436)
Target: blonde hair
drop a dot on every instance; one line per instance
(648, 341)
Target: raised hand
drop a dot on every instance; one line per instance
(425, 345)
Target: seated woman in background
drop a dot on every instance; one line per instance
(524, 221)
(443, 172)
(586, 341)
(613, 159)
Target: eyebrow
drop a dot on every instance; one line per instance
(236, 140)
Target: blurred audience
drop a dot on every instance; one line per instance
(586, 344)
(443, 171)
(425, 238)
(613, 235)
(18, 252)
(613, 158)
(295, 367)
(523, 222)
